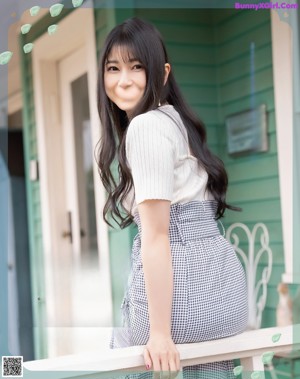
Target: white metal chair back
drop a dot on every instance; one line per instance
(251, 260)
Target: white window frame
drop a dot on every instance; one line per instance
(285, 51)
(295, 23)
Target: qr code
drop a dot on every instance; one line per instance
(12, 366)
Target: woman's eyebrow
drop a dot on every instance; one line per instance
(111, 61)
(130, 60)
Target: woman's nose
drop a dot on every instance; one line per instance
(125, 79)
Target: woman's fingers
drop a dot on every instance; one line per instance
(173, 368)
(156, 367)
(164, 360)
(168, 367)
(177, 359)
(147, 359)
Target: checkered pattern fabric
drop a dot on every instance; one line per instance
(210, 291)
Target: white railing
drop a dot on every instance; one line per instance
(251, 347)
(257, 289)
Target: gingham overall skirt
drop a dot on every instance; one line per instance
(209, 291)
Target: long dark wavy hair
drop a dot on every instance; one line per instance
(141, 40)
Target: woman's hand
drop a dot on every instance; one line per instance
(162, 356)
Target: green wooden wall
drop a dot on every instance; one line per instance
(222, 60)
(245, 79)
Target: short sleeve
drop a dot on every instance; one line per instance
(151, 154)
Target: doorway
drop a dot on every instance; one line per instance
(77, 272)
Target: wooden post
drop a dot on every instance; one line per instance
(251, 364)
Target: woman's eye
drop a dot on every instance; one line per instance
(112, 68)
(138, 67)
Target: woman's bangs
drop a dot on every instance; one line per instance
(127, 50)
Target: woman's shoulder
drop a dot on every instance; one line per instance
(153, 114)
(159, 120)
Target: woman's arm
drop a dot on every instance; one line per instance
(161, 352)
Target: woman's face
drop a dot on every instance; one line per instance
(124, 82)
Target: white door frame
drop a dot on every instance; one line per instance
(282, 57)
(70, 68)
(47, 51)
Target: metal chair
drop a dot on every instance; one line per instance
(251, 260)
(257, 302)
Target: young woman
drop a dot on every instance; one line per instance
(186, 283)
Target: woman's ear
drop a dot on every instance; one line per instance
(167, 71)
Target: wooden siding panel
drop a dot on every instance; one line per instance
(266, 210)
(236, 105)
(190, 74)
(262, 56)
(245, 191)
(191, 34)
(247, 86)
(203, 96)
(212, 133)
(245, 21)
(269, 317)
(244, 55)
(225, 16)
(206, 113)
(180, 17)
(199, 55)
(235, 48)
(248, 170)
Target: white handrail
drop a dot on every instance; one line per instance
(247, 346)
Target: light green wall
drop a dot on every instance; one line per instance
(244, 82)
(210, 56)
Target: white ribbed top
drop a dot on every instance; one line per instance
(160, 161)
